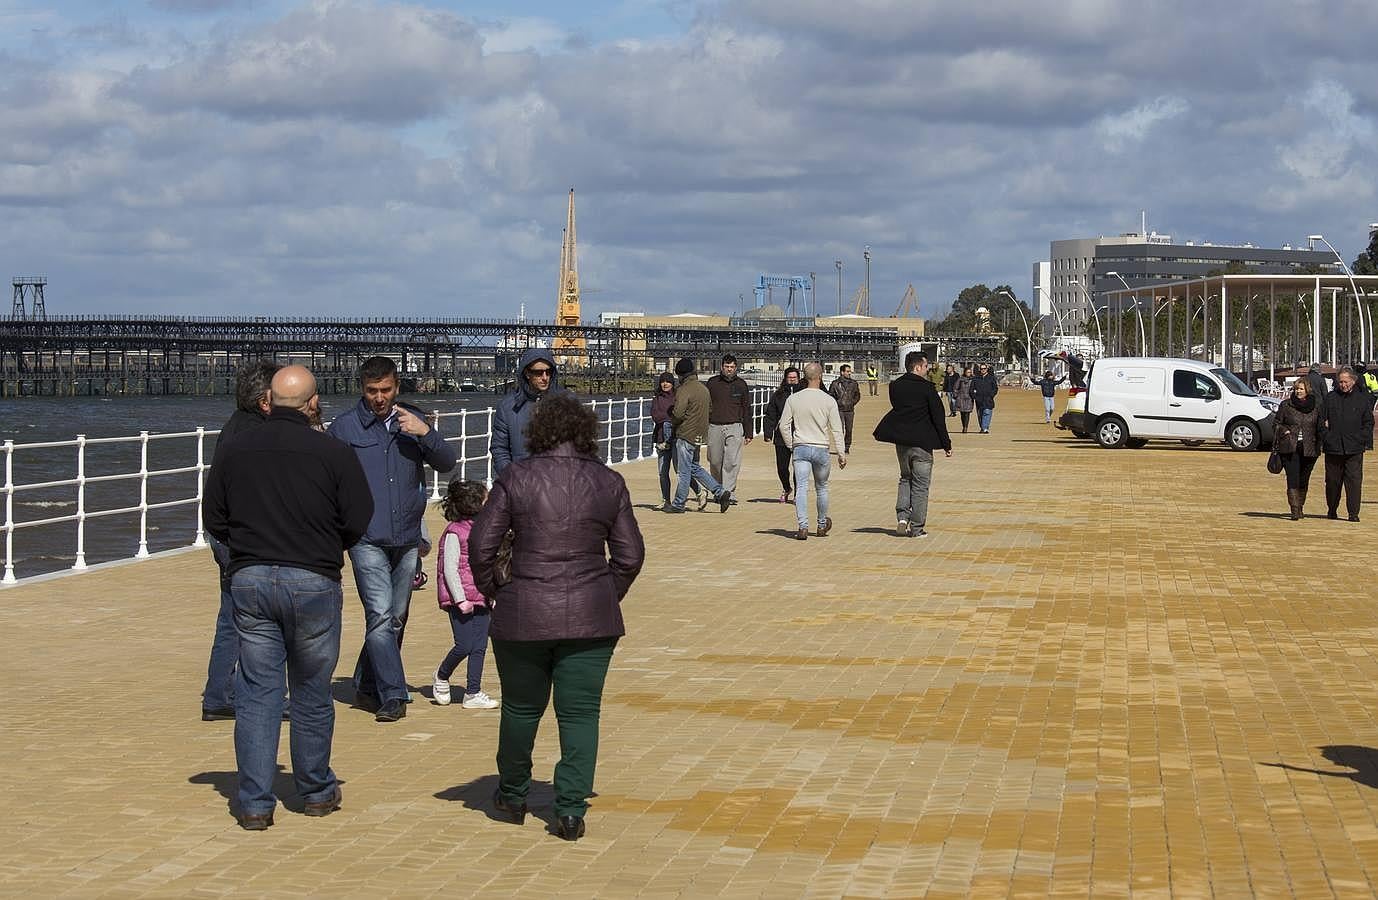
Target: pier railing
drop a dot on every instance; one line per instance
(169, 471)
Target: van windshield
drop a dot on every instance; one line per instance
(1233, 384)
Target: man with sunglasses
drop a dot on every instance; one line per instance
(538, 380)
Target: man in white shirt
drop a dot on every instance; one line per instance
(810, 424)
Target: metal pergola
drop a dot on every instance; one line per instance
(1226, 305)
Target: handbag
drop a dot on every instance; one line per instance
(502, 566)
(1274, 462)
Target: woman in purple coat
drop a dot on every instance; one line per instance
(576, 550)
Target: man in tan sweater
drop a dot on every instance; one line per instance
(809, 425)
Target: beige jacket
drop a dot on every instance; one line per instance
(810, 418)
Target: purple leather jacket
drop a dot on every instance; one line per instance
(576, 551)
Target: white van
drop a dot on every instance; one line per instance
(1131, 400)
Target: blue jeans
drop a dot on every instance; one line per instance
(470, 631)
(219, 690)
(383, 576)
(985, 414)
(813, 460)
(288, 618)
(687, 464)
(665, 462)
(1048, 408)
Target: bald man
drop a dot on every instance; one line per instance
(287, 501)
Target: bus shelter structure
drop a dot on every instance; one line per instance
(1246, 323)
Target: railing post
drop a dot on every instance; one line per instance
(200, 486)
(9, 514)
(626, 423)
(80, 562)
(463, 443)
(143, 496)
(435, 476)
(489, 479)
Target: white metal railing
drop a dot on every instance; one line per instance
(625, 435)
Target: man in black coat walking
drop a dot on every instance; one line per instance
(917, 427)
(1347, 431)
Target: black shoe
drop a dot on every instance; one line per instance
(391, 711)
(571, 828)
(724, 501)
(674, 510)
(251, 822)
(324, 807)
(366, 701)
(1332, 515)
(515, 814)
(1353, 518)
(219, 714)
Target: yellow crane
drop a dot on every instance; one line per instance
(568, 349)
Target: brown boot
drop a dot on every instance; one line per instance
(1301, 502)
(1294, 503)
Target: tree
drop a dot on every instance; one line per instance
(1366, 263)
(962, 318)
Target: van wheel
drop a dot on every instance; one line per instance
(1242, 435)
(1136, 443)
(1193, 443)
(1111, 433)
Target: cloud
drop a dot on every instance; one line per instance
(199, 6)
(1133, 126)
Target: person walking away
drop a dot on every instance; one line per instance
(1346, 434)
(576, 550)
(730, 424)
(394, 445)
(538, 379)
(950, 377)
(809, 424)
(1319, 388)
(984, 387)
(770, 427)
(252, 405)
(661, 403)
(1048, 386)
(689, 417)
(965, 401)
(287, 501)
(847, 393)
(872, 377)
(460, 598)
(916, 426)
(1296, 439)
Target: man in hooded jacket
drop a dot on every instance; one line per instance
(538, 379)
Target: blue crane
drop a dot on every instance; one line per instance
(795, 283)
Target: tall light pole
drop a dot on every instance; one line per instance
(1143, 339)
(866, 255)
(1100, 335)
(1365, 348)
(813, 294)
(1057, 316)
(838, 263)
(1028, 332)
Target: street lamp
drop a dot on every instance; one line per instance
(866, 255)
(838, 263)
(1100, 335)
(1365, 348)
(1143, 339)
(1028, 332)
(1052, 304)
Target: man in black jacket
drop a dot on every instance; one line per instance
(916, 426)
(252, 404)
(1347, 431)
(287, 501)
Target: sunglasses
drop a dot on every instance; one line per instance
(539, 373)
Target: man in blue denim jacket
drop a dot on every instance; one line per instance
(394, 444)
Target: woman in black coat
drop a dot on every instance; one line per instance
(576, 549)
(789, 383)
(1296, 438)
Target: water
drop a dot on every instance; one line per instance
(52, 547)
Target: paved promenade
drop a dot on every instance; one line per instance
(1105, 673)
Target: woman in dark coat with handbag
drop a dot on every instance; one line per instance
(661, 403)
(1296, 438)
(965, 403)
(789, 384)
(576, 549)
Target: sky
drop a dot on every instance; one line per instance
(322, 158)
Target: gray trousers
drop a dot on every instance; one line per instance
(725, 454)
(916, 473)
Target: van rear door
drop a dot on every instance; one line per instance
(1194, 406)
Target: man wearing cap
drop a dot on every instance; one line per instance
(690, 419)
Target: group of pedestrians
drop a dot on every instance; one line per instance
(969, 391)
(1315, 422)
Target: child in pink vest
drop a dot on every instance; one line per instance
(468, 609)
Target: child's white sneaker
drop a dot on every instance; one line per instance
(440, 690)
(479, 701)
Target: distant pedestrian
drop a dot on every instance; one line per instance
(1048, 385)
(965, 401)
(1296, 439)
(538, 379)
(1076, 368)
(287, 501)
(689, 416)
(810, 423)
(1319, 388)
(916, 426)
(661, 403)
(730, 424)
(1347, 433)
(872, 377)
(576, 550)
(950, 377)
(789, 383)
(459, 597)
(847, 393)
(252, 405)
(394, 444)
(984, 387)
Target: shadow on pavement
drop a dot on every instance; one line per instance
(1269, 515)
(226, 784)
(874, 529)
(478, 795)
(1363, 760)
(790, 533)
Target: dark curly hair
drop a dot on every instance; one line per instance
(559, 420)
(463, 500)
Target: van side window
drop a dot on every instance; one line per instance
(1193, 385)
